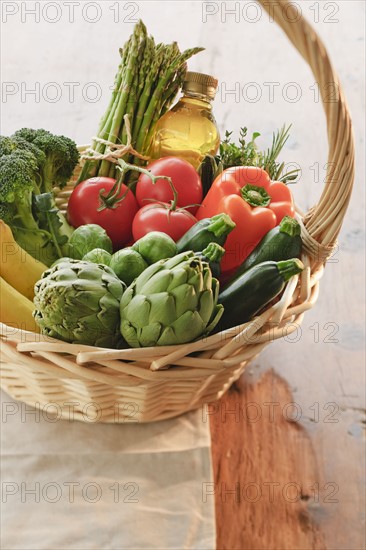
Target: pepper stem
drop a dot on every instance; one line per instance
(221, 224)
(290, 226)
(255, 195)
(289, 268)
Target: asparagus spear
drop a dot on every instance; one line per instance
(158, 92)
(147, 81)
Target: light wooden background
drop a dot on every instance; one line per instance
(323, 370)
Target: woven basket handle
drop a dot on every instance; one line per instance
(323, 222)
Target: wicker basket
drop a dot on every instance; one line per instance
(95, 384)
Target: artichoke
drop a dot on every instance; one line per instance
(173, 301)
(78, 302)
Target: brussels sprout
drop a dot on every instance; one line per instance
(155, 246)
(98, 256)
(127, 265)
(87, 237)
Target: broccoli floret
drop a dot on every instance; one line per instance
(23, 145)
(32, 162)
(61, 156)
(7, 145)
(18, 172)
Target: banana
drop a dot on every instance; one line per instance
(17, 267)
(15, 309)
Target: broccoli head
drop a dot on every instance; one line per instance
(32, 162)
(18, 184)
(61, 156)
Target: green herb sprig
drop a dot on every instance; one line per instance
(247, 154)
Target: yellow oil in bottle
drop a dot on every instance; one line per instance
(189, 129)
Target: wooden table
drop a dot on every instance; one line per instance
(287, 440)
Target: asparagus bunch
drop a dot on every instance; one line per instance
(147, 81)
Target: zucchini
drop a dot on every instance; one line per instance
(212, 254)
(206, 231)
(250, 292)
(283, 242)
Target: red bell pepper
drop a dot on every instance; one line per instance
(253, 202)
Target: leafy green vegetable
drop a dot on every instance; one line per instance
(50, 217)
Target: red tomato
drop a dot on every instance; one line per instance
(184, 177)
(85, 201)
(155, 217)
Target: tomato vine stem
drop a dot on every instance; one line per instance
(113, 198)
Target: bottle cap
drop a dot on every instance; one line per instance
(200, 83)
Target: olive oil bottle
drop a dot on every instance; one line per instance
(189, 129)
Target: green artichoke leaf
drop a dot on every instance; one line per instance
(114, 286)
(206, 306)
(163, 309)
(149, 335)
(219, 310)
(89, 297)
(168, 337)
(196, 280)
(127, 296)
(215, 289)
(207, 277)
(158, 282)
(179, 277)
(186, 298)
(188, 326)
(137, 311)
(129, 333)
(109, 312)
(171, 263)
(146, 275)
